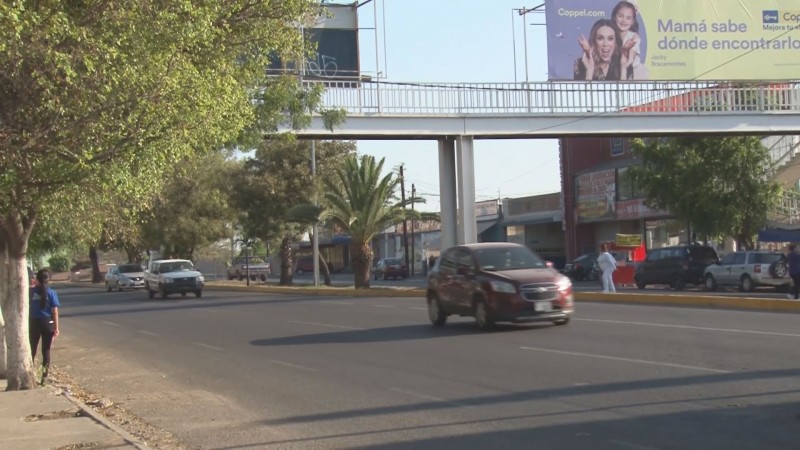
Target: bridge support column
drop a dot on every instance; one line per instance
(467, 227)
(447, 192)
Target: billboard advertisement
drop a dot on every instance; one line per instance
(678, 40)
(335, 34)
(596, 194)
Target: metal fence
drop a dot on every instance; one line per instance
(410, 99)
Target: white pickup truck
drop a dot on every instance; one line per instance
(250, 265)
(173, 276)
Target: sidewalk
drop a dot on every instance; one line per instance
(46, 418)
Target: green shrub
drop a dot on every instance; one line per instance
(58, 263)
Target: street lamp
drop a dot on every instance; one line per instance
(522, 12)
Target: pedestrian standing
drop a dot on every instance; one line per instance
(608, 265)
(43, 318)
(793, 260)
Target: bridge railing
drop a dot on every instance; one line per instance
(396, 98)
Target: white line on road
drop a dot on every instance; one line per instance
(200, 344)
(293, 366)
(382, 306)
(149, 333)
(631, 360)
(429, 397)
(328, 325)
(630, 445)
(331, 302)
(690, 327)
(113, 324)
(419, 308)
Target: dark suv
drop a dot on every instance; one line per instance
(390, 268)
(675, 266)
(497, 282)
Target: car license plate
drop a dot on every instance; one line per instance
(543, 306)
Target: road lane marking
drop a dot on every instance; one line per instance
(419, 308)
(429, 397)
(149, 333)
(331, 302)
(630, 445)
(293, 366)
(200, 344)
(618, 358)
(382, 306)
(113, 324)
(328, 325)
(690, 327)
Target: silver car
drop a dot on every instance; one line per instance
(748, 270)
(125, 276)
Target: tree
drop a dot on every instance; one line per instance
(193, 209)
(362, 202)
(719, 184)
(100, 98)
(277, 176)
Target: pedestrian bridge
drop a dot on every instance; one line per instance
(455, 114)
(396, 110)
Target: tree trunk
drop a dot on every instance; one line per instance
(96, 277)
(14, 301)
(286, 260)
(362, 261)
(326, 271)
(3, 294)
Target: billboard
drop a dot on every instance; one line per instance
(678, 40)
(596, 194)
(335, 34)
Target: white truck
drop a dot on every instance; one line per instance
(173, 276)
(253, 266)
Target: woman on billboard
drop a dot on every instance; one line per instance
(602, 58)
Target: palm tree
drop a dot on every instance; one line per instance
(363, 203)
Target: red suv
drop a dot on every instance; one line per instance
(497, 282)
(390, 268)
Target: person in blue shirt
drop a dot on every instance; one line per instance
(43, 318)
(793, 260)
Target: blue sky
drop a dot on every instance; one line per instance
(460, 41)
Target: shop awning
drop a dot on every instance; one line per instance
(533, 218)
(779, 235)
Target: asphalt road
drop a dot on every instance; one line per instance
(246, 371)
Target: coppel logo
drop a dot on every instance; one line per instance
(770, 16)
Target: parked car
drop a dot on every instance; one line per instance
(390, 268)
(748, 270)
(173, 276)
(253, 266)
(581, 267)
(497, 282)
(585, 268)
(124, 276)
(304, 264)
(675, 266)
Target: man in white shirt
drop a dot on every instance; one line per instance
(608, 265)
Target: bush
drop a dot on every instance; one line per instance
(58, 263)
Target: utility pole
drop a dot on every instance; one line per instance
(413, 253)
(403, 199)
(314, 237)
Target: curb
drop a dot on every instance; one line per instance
(322, 291)
(129, 438)
(749, 303)
(753, 303)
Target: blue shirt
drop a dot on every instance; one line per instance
(794, 263)
(36, 311)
